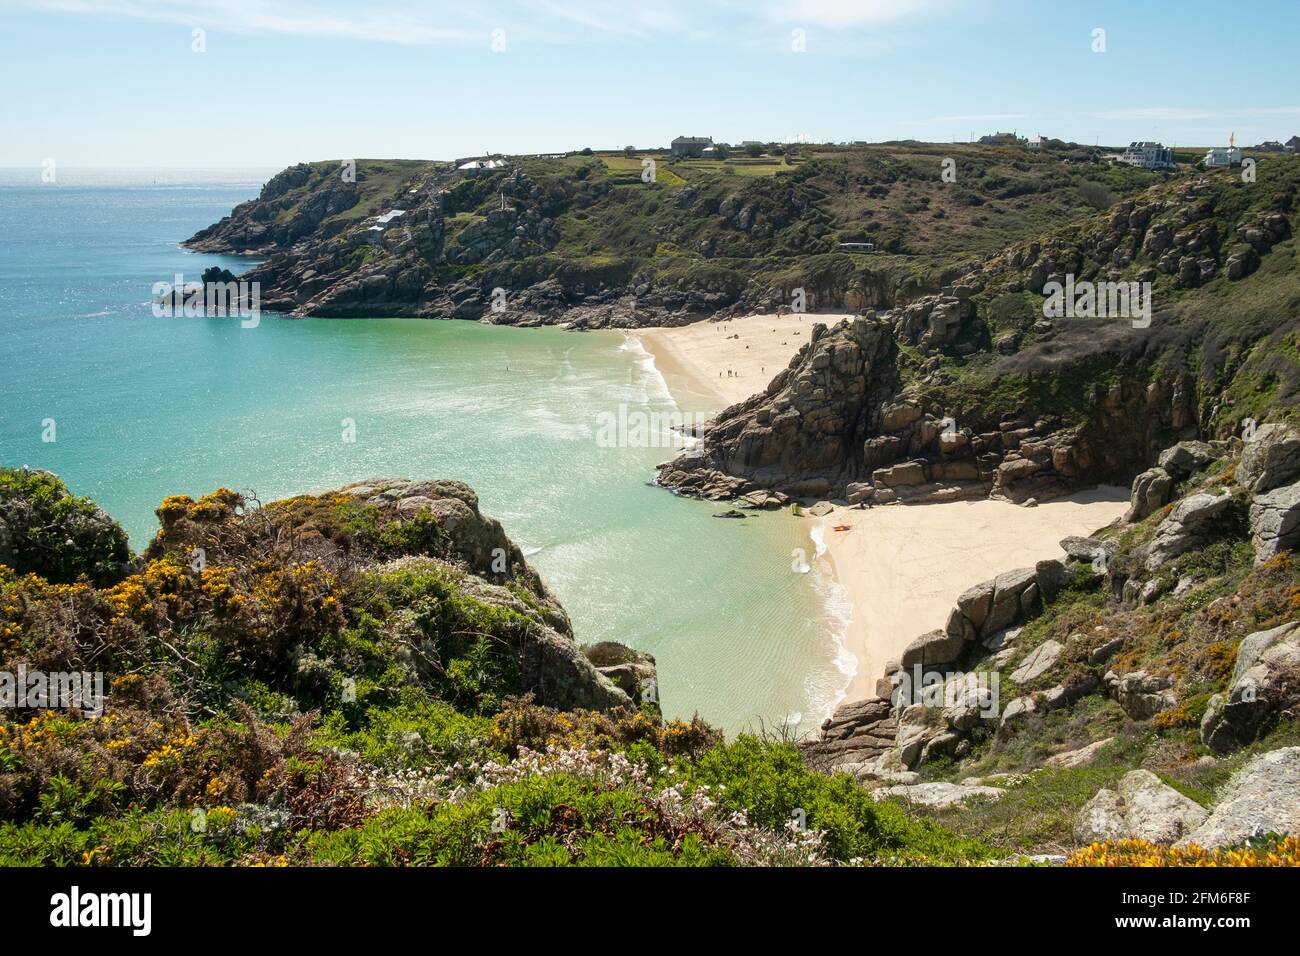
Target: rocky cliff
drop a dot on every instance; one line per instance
(975, 391)
(605, 240)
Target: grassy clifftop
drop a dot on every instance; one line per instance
(588, 231)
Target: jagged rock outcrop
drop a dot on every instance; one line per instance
(451, 533)
(551, 664)
(1107, 429)
(279, 216)
(859, 732)
(1265, 681)
(1139, 694)
(630, 670)
(1262, 797)
(805, 432)
(1143, 808)
(959, 712)
(1271, 457)
(1153, 488)
(1151, 492)
(1192, 522)
(1275, 521)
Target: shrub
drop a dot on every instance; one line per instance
(769, 782)
(47, 531)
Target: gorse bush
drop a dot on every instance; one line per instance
(1270, 850)
(328, 680)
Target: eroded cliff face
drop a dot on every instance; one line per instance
(842, 421)
(804, 433)
(977, 391)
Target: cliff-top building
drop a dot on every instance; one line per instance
(1222, 156)
(1148, 155)
(691, 145)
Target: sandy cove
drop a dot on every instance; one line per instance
(903, 566)
(710, 365)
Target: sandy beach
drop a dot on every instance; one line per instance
(905, 565)
(710, 365)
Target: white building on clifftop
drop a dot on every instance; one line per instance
(1222, 156)
(1148, 155)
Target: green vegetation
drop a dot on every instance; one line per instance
(46, 531)
(761, 209)
(325, 680)
(1229, 340)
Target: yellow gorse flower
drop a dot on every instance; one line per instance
(1286, 852)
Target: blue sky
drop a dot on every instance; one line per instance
(117, 82)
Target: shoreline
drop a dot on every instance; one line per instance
(899, 569)
(712, 365)
(682, 380)
(904, 566)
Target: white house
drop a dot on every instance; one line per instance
(1222, 156)
(1148, 155)
(1034, 142)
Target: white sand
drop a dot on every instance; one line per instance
(905, 565)
(707, 369)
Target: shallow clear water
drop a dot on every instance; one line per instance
(144, 407)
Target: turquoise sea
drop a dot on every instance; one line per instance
(144, 407)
